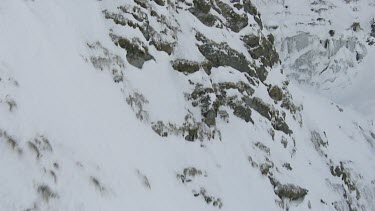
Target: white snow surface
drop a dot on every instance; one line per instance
(103, 157)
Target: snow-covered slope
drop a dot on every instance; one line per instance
(168, 105)
(327, 45)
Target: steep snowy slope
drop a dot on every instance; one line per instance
(166, 105)
(327, 45)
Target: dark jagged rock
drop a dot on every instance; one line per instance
(261, 107)
(107, 61)
(235, 21)
(220, 54)
(191, 130)
(262, 48)
(287, 166)
(331, 33)
(276, 93)
(252, 10)
(263, 147)
(251, 41)
(342, 172)
(192, 134)
(290, 191)
(142, 3)
(46, 193)
(188, 67)
(373, 28)
(118, 19)
(185, 66)
(137, 101)
(201, 97)
(216, 202)
(189, 174)
(210, 117)
(267, 111)
(136, 53)
(243, 113)
(318, 142)
(265, 168)
(142, 22)
(160, 2)
(201, 10)
(356, 26)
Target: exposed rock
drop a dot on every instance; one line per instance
(104, 60)
(318, 142)
(225, 116)
(252, 10)
(331, 33)
(98, 185)
(245, 69)
(11, 142)
(261, 107)
(284, 142)
(356, 26)
(215, 201)
(271, 38)
(137, 101)
(160, 2)
(39, 146)
(210, 117)
(265, 168)
(276, 93)
(144, 179)
(251, 41)
(243, 113)
(192, 172)
(185, 66)
(261, 48)
(46, 193)
(142, 3)
(10, 102)
(220, 54)
(287, 103)
(235, 21)
(188, 67)
(210, 99)
(189, 174)
(287, 166)
(267, 111)
(191, 130)
(160, 38)
(253, 163)
(136, 52)
(163, 46)
(263, 147)
(371, 39)
(344, 173)
(201, 10)
(290, 191)
(118, 19)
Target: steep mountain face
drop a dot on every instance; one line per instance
(182, 105)
(327, 45)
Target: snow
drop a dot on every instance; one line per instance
(94, 133)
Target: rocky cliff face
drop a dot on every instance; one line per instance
(176, 105)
